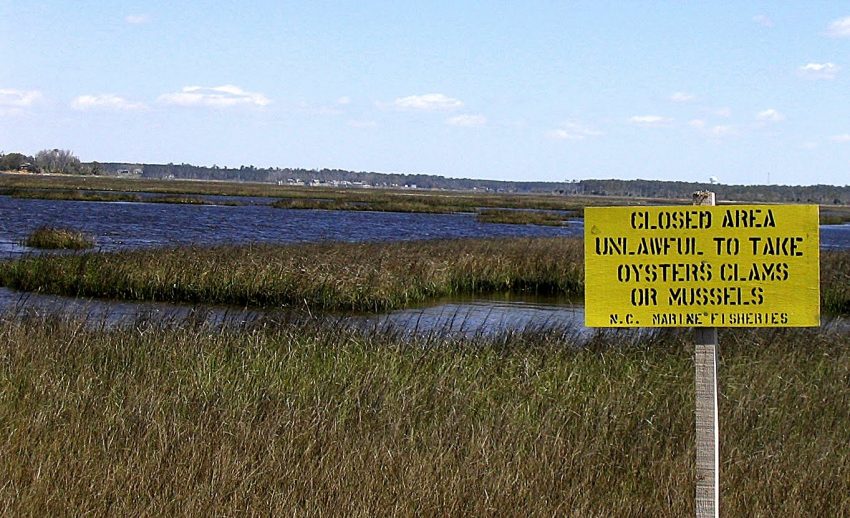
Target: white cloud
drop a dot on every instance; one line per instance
(770, 115)
(467, 120)
(217, 97)
(696, 123)
(105, 101)
(763, 20)
(845, 137)
(682, 97)
(573, 131)
(819, 70)
(11, 98)
(344, 100)
(651, 121)
(839, 28)
(137, 19)
(427, 102)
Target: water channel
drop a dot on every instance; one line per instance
(123, 225)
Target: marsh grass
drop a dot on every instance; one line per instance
(342, 276)
(179, 200)
(521, 217)
(74, 195)
(58, 238)
(329, 276)
(835, 281)
(346, 199)
(420, 204)
(834, 218)
(315, 418)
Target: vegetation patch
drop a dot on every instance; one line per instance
(834, 216)
(331, 276)
(317, 419)
(58, 238)
(521, 217)
(179, 200)
(376, 204)
(350, 198)
(835, 281)
(313, 204)
(73, 195)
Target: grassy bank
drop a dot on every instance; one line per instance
(427, 203)
(311, 418)
(105, 196)
(334, 276)
(46, 194)
(389, 203)
(179, 200)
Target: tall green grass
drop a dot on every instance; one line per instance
(331, 276)
(317, 419)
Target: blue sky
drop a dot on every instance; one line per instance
(748, 92)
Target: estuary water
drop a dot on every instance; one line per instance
(121, 225)
(127, 225)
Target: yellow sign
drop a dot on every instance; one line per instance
(698, 266)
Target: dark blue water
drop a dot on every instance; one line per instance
(130, 225)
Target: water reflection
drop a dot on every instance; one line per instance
(467, 317)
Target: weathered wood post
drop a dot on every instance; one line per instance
(707, 429)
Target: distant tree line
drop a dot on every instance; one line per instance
(64, 161)
(325, 176)
(823, 194)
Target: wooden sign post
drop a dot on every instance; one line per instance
(703, 267)
(707, 426)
